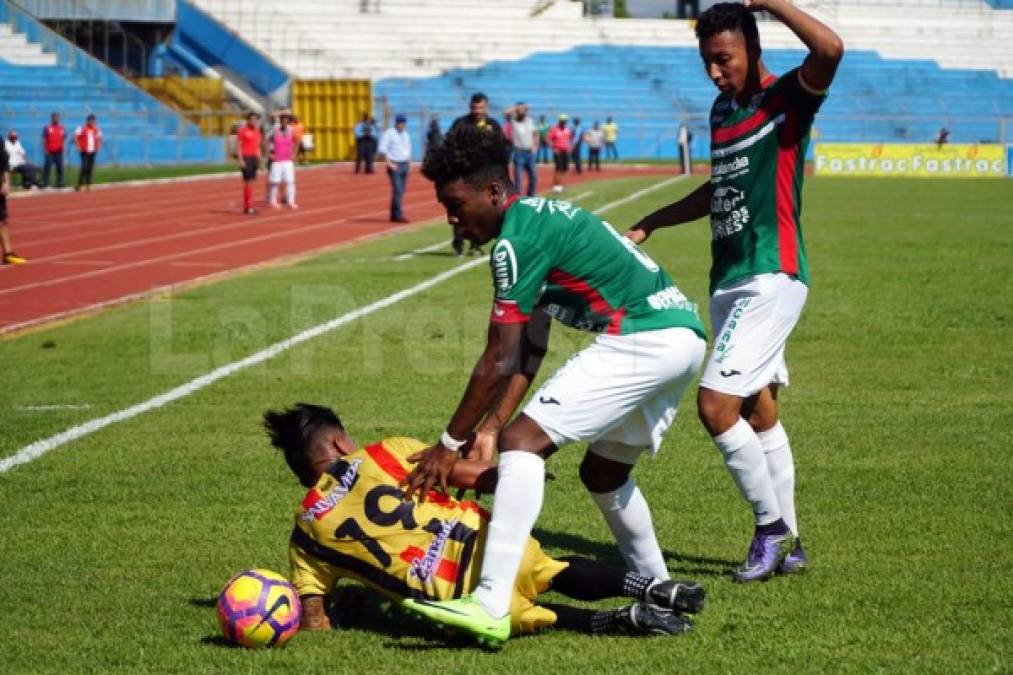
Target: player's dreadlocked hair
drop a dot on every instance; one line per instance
(292, 432)
(477, 155)
(728, 16)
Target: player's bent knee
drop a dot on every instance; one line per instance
(718, 412)
(601, 475)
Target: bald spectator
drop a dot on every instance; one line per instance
(524, 138)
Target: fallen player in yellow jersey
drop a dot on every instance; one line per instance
(356, 523)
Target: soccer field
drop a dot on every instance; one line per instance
(113, 546)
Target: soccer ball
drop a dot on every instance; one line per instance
(259, 608)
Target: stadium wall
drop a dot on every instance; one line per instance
(215, 45)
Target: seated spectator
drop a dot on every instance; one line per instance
(19, 164)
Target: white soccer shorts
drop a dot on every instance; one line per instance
(622, 388)
(752, 321)
(282, 172)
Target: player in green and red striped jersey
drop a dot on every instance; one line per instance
(620, 394)
(760, 126)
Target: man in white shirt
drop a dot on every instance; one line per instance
(18, 160)
(524, 137)
(396, 148)
(595, 139)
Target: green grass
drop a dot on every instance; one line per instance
(900, 413)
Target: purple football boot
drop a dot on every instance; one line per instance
(766, 553)
(796, 561)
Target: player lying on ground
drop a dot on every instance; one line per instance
(355, 523)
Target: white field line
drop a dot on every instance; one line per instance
(427, 249)
(54, 406)
(640, 193)
(39, 448)
(588, 193)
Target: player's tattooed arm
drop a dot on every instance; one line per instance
(825, 47)
(697, 204)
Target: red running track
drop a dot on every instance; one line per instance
(90, 250)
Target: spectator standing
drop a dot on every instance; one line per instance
(595, 139)
(560, 137)
(478, 117)
(611, 131)
(365, 143)
(18, 161)
(685, 161)
(942, 138)
(524, 138)
(249, 146)
(54, 138)
(543, 139)
(283, 150)
(396, 148)
(577, 145)
(9, 256)
(88, 138)
(433, 134)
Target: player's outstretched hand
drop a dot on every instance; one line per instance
(637, 234)
(434, 467)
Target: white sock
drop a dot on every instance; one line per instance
(272, 193)
(629, 518)
(515, 507)
(781, 467)
(290, 193)
(747, 463)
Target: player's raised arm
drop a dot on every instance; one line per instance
(825, 47)
(696, 204)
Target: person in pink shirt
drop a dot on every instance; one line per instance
(560, 138)
(283, 151)
(89, 140)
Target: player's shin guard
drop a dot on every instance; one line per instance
(746, 462)
(515, 507)
(781, 467)
(629, 518)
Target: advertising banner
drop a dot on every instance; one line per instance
(910, 160)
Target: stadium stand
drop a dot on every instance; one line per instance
(41, 72)
(908, 70)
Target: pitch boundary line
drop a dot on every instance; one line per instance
(39, 448)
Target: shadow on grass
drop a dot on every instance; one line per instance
(218, 641)
(683, 563)
(204, 602)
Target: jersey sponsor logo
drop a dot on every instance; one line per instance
(671, 298)
(728, 212)
(729, 373)
(423, 568)
(552, 206)
(739, 166)
(321, 506)
(504, 266)
(549, 400)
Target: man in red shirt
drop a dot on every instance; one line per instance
(54, 137)
(248, 151)
(88, 139)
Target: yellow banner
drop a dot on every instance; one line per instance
(909, 160)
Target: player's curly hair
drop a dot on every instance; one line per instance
(731, 16)
(292, 432)
(476, 155)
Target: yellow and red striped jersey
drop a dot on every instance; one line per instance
(355, 523)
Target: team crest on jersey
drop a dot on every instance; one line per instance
(424, 567)
(504, 266)
(317, 505)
